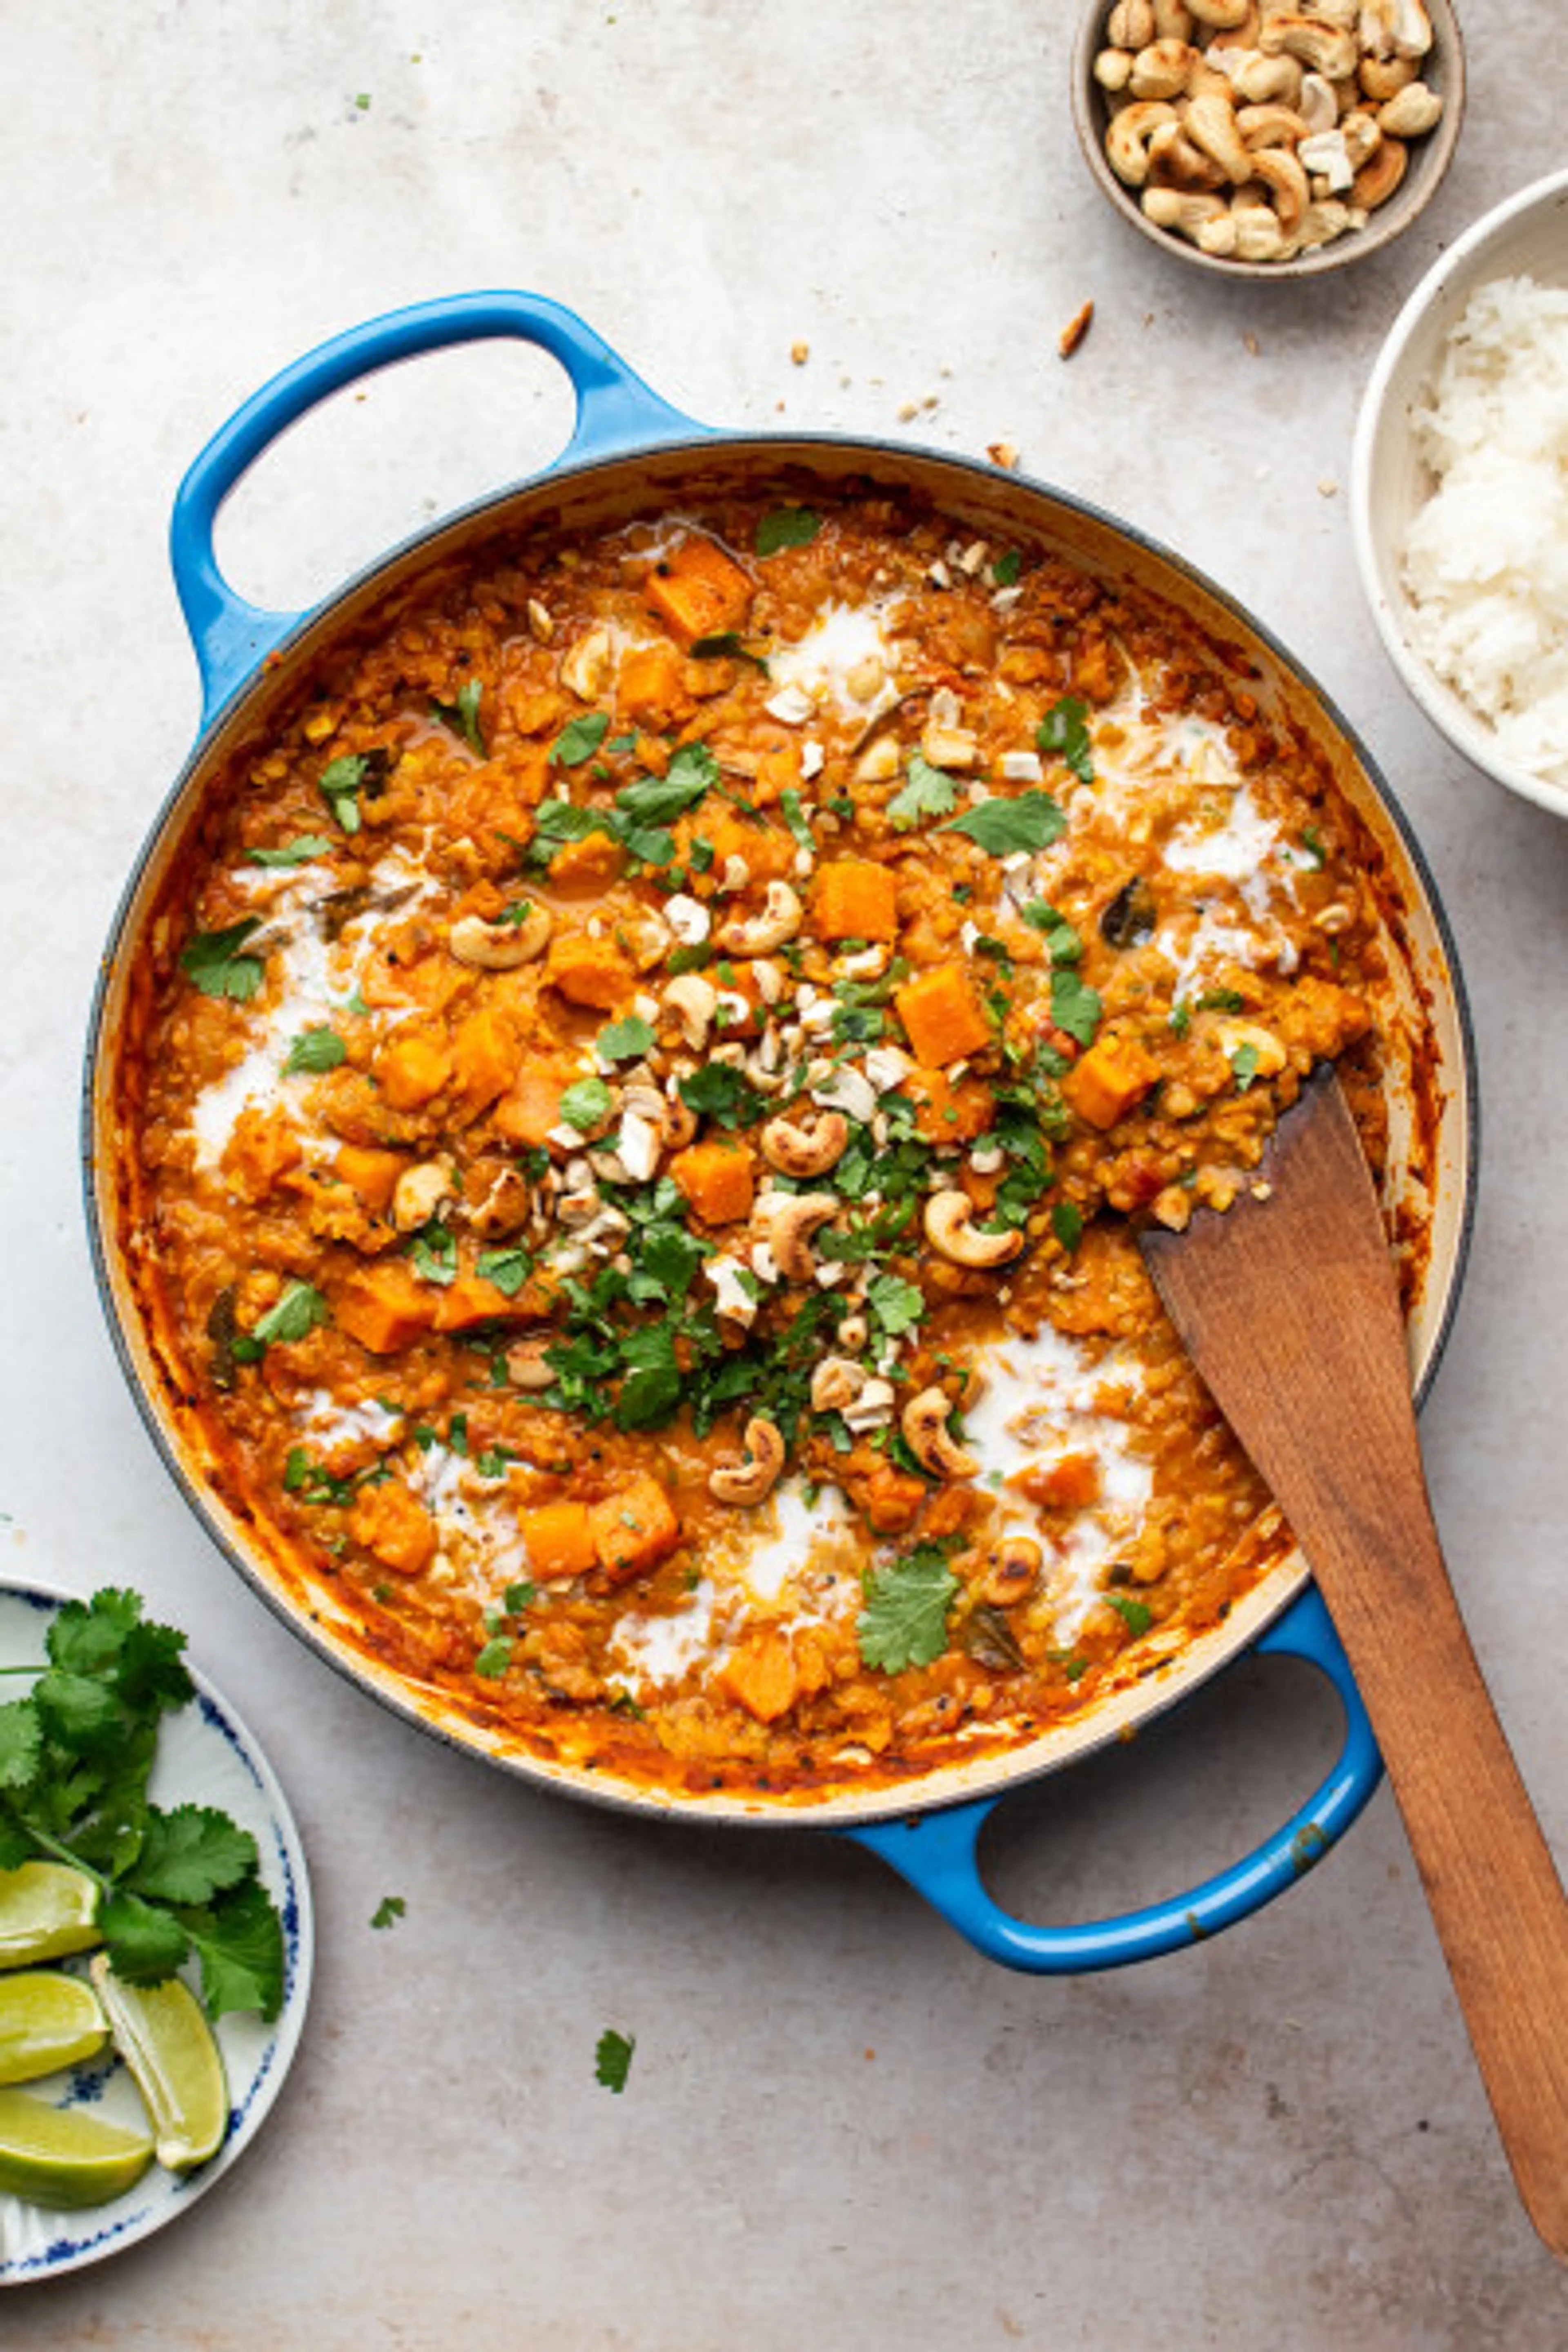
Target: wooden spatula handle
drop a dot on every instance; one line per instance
(1288, 1308)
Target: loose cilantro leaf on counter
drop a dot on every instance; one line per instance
(314, 1050)
(75, 1756)
(904, 1621)
(462, 716)
(1031, 820)
(1065, 729)
(298, 852)
(388, 1911)
(612, 2059)
(579, 739)
(214, 961)
(787, 527)
(295, 1316)
(930, 791)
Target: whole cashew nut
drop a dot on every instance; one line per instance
(1377, 180)
(791, 1219)
(1202, 217)
(1328, 49)
(1127, 140)
(1211, 124)
(809, 1150)
(526, 1367)
(1160, 70)
(1282, 174)
(1013, 1564)
(1410, 113)
(501, 947)
(780, 917)
(751, 1479)
(924, 1424)
(950, 1229)
(694, 1001)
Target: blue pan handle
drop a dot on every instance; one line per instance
(937, 1851)
(615, 411)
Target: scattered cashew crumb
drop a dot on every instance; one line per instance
(1077, 327)
(907, 410)
(1263, 1192)
(800, 353)
(1251, 344)
(1001, 453)
(1327, 488)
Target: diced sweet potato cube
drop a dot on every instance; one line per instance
(651, 688)
(950, 1113)
(719, 1180)
(384, 1307)
(372, 1174)
(587, 867)
(590, 972)
(1112, 1075)
(1070, 1485)
(532, 1107)
(697, 590)
(469, 1299)
(485, 1050)
(943, 1016)
(411, 1067)
(395, 1525)
(559, 1540)
(760, 1672)
(634, 1528)
(262, 1149)
(855, 899)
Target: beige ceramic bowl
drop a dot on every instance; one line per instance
(1526, 235)
(1443, 69)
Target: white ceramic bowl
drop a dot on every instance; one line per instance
(1526, 235)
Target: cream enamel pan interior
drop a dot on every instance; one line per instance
(1430, 1052)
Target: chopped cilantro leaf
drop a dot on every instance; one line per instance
(340, 784)
(627, 1040)
(930, 791)
(795, 816)
(904, 1621)
(1065, 729)
(654, 800)
(579, 739)
(508, 1269)
(1007, 567)
(1031, 820)
(1243, 1064)
(298, 852)
(896, 1305)
(434, 1250)
(720, 1092)
(213, 960)
(495, 1657)
(1136, 1615)
(1066, 1224)
(1074, 1006)
(296, 1314)
(314, 1050)
(726, 646)
(462, 715)
(586, 1105)
(784, 527)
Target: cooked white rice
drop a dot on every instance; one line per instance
(1486, 560)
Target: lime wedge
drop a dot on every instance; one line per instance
(168, 2045)
(46, 2019)
(62, 2157)
(45, 1910)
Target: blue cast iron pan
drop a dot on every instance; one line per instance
(630, 453)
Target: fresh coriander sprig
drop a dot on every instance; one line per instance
(76, 1757)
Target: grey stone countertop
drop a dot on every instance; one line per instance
(842, 2126)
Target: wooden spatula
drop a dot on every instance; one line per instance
(1287, 1306)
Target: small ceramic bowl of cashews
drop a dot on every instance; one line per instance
(1265, 141)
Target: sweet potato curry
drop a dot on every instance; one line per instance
(636, 1097)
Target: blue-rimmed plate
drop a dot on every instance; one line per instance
(205, 1757)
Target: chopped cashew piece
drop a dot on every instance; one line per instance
(751, 1479)
(924, 1424)
(418, 1193)
(694, 1001)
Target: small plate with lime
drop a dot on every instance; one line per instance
(155, 1930)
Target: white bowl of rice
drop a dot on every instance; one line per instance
(1460, 493)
